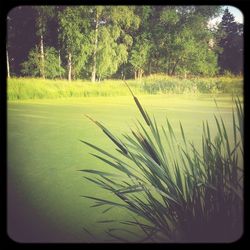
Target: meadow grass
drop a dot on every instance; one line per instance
(45, 188)
(166, 84)
(34, 88)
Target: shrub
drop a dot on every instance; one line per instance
(32, 66)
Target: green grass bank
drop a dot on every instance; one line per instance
(33, 88)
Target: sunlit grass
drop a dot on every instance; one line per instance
(34, 88)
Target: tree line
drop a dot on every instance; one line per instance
(98, 42)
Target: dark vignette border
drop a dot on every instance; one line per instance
(243, 5)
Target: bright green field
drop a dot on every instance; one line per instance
(44, 154)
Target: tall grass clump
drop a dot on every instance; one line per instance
(174, 191)
(35, 88)
(208, 85)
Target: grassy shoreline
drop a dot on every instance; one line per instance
(35, 88)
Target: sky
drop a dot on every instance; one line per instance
(238, 15)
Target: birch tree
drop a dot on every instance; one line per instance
(111, 38)
(74, 36)
(8, 63)
(43, 15)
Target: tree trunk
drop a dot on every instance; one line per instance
(59, 64)
(168, 69)
(8, 64)
(69, 67)
(140, 73)
(149, 68)
(168, 66)
(42, 57)
(174, 67)
(95, 49)
(135, 74)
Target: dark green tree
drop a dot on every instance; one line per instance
(181, 38)
(231, 42)
(140, 53)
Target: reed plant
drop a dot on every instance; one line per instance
(175, 191)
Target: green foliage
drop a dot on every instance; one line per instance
(186, 46)
(32, 66)
(44, 14)
(110, 55)
(140, 53)
(208, 11)
(110, 41)
(114, 39)
(52, 68)
(74, 36)
(176, 192)
(169, 17)
(125, 17)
